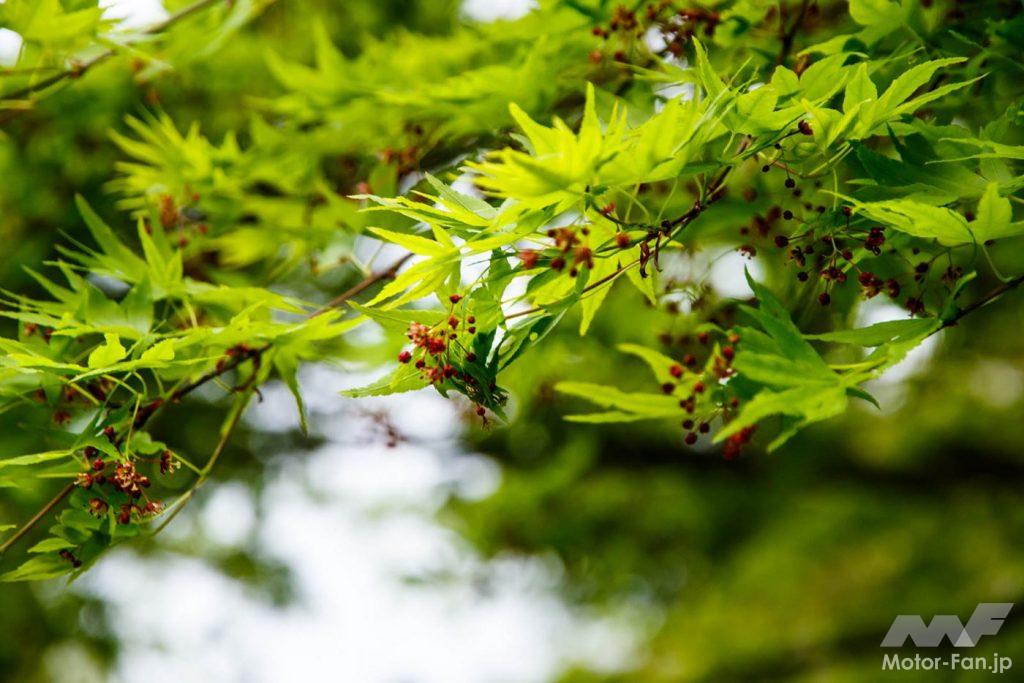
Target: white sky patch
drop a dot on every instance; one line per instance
(352, 520)
(727, 278)
(229, 515)
(490, 10)
(684, 91)
(655, 40)
(464, 185)
(134, 13)
(877, 311)
(10, 47)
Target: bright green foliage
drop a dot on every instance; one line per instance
(860, 158)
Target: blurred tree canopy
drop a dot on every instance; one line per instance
(729, 289)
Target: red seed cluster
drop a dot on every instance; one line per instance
(120, 479)
(439, 348)
(182, 220)
(709, 396)
(677, 27)
(735, 442)
(572, 245)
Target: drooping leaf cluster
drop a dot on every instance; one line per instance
(418, 188)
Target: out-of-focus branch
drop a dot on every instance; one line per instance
(996, 293)
(79, 68)
(147, 412)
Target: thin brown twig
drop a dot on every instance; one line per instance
(222, 442)
(362, 286)
(79, 68)
(996, 293)
(988, 298)
(147, 412)
(225, 436)
(27, 526)
(788, 36)
(715, 192)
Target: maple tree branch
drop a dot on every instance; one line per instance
(714, 192)
(994, 294)
(147, 412)
(362, 286)
(226, 433)
(788, 36)
(79, 68)
(27, 526)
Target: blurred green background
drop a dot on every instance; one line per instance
(782, 567)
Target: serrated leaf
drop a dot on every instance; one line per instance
(399, 319)
(287, 367)
(775, 320)
(51, 545)
(413, 243)
(808, 403)
(34, 458)
(860, 88)
(108, 353)
(591, 302)
(38, 569)
(994, 216)
(161, 351)
(638, 406)
(880, 333)
(659, 363)
(405, 378)
(920, 220)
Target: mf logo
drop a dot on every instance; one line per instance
(986, 621)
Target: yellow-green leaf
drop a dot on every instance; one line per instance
(107, 353)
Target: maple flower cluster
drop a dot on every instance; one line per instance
(433, 346)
